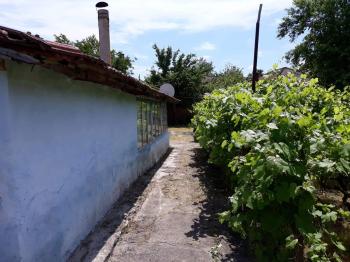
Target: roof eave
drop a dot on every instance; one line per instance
(16, 45)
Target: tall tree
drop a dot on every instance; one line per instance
(229, 76)
(90, 46)
(122, 62)
(186, 72)
(324, 51)
(63, 39)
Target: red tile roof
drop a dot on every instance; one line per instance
(60, 46)
(69, 60)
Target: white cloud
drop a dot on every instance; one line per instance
(207, 57)
(206, 46)
(141, 70)
(131, 18)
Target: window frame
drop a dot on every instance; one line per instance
(151, 120)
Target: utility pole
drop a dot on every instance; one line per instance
(256, 49)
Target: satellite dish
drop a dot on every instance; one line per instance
(167, 89)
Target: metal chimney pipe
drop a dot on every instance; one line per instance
(103, 28)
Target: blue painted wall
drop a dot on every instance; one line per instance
(69, 150)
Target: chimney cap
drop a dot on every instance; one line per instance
(101, 4)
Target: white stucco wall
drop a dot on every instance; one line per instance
(8, 214)
(68, 150)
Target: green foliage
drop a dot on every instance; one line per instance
(229, 76)
(122, 62)
(90, 46)
(324, 51)
(259, 73)
(186, 73)
(63, 39)
(281, 145)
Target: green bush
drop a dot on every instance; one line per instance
(282, 144)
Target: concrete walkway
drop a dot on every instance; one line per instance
(169, 214)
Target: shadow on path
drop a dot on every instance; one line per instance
(169, 214)
(207, 223)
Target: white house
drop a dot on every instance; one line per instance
(74, 134)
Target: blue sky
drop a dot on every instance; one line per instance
(222, 31)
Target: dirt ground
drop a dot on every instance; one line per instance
(169, 214)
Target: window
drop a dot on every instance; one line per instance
(151, 121)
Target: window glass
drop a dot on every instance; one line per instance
(139, 124)
(151, 121)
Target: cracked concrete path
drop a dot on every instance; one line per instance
(169, 214)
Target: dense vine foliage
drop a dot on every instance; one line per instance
(282, 145)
